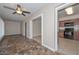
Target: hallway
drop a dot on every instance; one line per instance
(18, 45)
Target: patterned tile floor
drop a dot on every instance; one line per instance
(18, 45)
(38, 39)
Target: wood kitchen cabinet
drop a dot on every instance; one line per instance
(61, 34)
(76, 21)
(76, 32)
(61, 23)
(76, 35)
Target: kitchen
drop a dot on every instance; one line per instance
(68, 30)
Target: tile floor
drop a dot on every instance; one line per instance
(38, 39)
(67, 46)
(19, 45)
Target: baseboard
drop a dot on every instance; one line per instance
(49, 47)
(12, 34)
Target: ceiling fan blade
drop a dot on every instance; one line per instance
(26, 12)
(8, 8)
(23, 14)
(14, 12)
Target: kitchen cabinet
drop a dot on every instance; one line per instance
(61, 23)
(61, 34)
(76, 32)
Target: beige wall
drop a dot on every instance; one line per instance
(12, 27)
(48, 25)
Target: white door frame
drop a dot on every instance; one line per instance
(56, 22)
(40, 15)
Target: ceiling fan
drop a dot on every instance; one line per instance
(18, 10)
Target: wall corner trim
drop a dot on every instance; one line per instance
(49, 47)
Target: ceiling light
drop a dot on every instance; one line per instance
(18, 10)
(69, 10)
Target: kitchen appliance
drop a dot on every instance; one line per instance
(69, 30)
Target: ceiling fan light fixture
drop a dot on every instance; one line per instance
(19, 12)
(69, 10)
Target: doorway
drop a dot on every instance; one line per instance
(37, 29)
(25, 30)
(67, 33)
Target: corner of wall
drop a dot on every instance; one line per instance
(49, 47)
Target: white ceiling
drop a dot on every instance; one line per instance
(62, 13)
(6, 14)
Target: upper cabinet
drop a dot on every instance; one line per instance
(61, 23)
